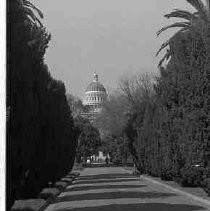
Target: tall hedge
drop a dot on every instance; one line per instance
(173, 123)
(41, 137)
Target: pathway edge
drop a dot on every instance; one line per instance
(191, 196)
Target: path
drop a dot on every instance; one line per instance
(112, 189)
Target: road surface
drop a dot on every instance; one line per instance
(112, 189)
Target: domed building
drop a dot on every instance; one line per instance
(95, 96)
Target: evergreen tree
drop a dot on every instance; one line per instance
(41, 139)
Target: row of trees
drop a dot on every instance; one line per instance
(111, 123)
(165, 119)
(89, 139)
(41, 136)
(186, 79)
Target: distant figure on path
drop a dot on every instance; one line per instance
(107, 160)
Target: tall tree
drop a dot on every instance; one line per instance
(75, 105)
(111, 123)
(195, 23)
(40, 128)
(89, 139)
(189, 65)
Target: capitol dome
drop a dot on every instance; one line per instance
(95, 86)
(95, 95)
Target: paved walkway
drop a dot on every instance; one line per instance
(112, 189)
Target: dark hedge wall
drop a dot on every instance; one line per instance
(41, 140)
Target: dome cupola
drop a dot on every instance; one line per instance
(95, 86)
(95, 94)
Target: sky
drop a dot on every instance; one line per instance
(111, 37)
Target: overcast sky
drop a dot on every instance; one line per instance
(111, 37)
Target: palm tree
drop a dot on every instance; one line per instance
(198, 21)
(25, 9)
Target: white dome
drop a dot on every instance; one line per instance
(95, 94)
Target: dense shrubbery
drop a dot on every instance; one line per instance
(111, 122)
(89, 139)
(40, 130)
(175, 130)
(184, 86)
(191, 176)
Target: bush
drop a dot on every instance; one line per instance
(206, 180)
(191, 176)
(49, 193)
(29, 205)
(206, 185)
(166, 175)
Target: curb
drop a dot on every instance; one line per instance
(191, 196)
(21, 205)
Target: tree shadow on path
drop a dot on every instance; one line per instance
(121, 192)
(115, 195)
(85, 188)
(141, 207)
(104, 180)
(107, 176)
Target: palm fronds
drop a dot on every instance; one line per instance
(181, 14)
(164, 45)
(30, 5)
(198, 5)
(200, 8)
(28, 9)
(165, 58)
(184, 25)
(193, 21)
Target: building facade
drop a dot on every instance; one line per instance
(95, 96)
